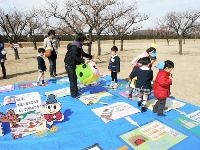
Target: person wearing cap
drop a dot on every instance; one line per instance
(75, 56)
(52, 43)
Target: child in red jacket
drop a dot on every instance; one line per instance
(162, 87)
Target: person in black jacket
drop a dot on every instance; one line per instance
(2, 57)
(114, 66)
(41, 66)
(73, 57)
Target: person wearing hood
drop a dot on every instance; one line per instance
(75, 56)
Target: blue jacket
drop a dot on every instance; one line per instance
(114, 64)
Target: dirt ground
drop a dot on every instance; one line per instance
(186, 74)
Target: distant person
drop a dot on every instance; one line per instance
(162, 87)
(114, 66)
(143, 84)
(2, 57)
(41, 66)
(51, 43)
(73, 57)
(146, 53)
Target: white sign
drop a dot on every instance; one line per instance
(28, 102)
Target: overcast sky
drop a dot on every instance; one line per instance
(157, 8)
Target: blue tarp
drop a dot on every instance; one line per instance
(82, 128)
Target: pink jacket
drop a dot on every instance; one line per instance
(144, 54)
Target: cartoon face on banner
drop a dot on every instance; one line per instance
(94, 68)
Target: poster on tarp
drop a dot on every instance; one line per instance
(60, 92)
(190, 122)
(154, 135)
(115, 111)
(30, 85)
(95, 98)
(126, 94)
(7, 88)
(9, 100)
(28, 102)
(170, 104)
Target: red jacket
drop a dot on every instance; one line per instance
(162, 85)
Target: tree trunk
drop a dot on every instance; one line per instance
(90, 41)
(16, 53)
(99, 47)
(168, 41)
(113, 41)
(122, 44)
(184, 41)
(180, 45)
(35, 45)
(154, 40)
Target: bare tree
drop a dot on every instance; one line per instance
(14, 26)
(181, 23)
(125, 22)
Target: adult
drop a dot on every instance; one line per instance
(51, 43)
(73, 57)
(2, 57)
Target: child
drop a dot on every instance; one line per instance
(114, 66)
(146, 53)
(162, 87)
(41, 66)
(143, 84)
(133, 81)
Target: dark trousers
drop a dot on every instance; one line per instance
(114, 76)
(52, 66)
(72, 80)
(3, 69)
(159, 106)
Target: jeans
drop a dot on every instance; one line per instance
(72, 80)
(52, 66)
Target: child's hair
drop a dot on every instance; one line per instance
(150, 50)
(114, 48)
(41, 50)
(80, 37)
(145, 61)
(51, 32)
(168, 64)
(152, 58)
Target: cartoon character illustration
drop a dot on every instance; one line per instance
(106, 114)
(11, 117)
(52, 111)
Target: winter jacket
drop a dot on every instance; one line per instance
(114, 64)
(162, 85)
(53, 45)
(75, 54)
(144, 77)
(41, 63)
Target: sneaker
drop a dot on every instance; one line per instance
(115, 85)
(161, 114)
(139, 103)
(43, 84)
(143, 109)
(38, 84)
(112, 84)
(53, 76)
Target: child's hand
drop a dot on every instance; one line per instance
(171, 77)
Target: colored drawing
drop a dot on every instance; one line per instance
(6, 88)
(9, 100)
(95, 98)
(115, 111)
(62, 81)
(30, 122)
(29, 85)
(60, 92)
(170, 104)
(189, 122)
(153, 136)
(126, 94)
(46, 132)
